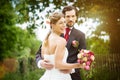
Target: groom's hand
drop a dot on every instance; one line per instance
(45, 64)
(66, 71)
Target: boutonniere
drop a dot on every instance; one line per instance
(75, 43)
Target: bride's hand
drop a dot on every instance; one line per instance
(66, 71)
(81, 65)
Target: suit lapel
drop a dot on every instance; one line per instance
(71, 38)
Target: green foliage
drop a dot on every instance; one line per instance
(7, 40)
(103, 73)
(98, 45)
(7, 14)
(31, 75)
(14, 41)
(7, 30)
(87, 75)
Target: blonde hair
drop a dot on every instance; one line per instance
(54, 17)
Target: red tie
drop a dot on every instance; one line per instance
(67, 33)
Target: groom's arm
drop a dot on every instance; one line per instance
(38, 58)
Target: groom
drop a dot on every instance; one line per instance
(71, 34)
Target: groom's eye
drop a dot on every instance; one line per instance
(67, 16)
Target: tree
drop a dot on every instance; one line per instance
(13, 39)
(108, 14)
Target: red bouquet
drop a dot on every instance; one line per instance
(85, 57)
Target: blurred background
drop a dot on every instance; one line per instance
(23, 28)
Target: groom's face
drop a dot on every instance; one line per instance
(70, 17)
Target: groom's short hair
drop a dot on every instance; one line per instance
(69, 8)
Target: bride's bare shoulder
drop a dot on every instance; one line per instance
(61, 41)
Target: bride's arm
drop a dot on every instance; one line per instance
(59, 54)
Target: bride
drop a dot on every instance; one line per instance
(54, 50)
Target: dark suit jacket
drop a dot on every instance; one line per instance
(73, 51)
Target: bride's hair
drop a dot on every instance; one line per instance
(54, 17)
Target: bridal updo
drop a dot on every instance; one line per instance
(54, 18)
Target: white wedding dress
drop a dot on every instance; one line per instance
(55, 74)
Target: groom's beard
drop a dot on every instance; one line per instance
(70, 24)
